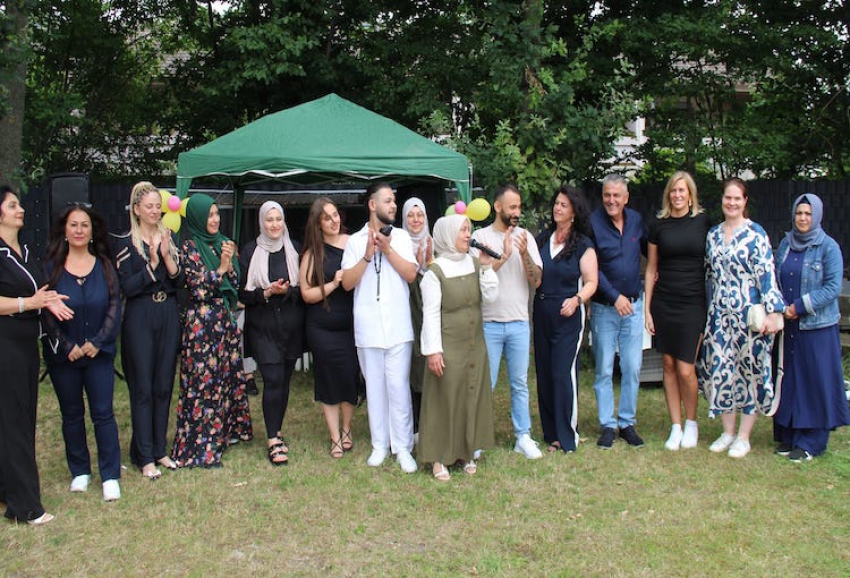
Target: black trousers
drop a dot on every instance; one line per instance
(150, 342)
(276, 378)
(19, 483)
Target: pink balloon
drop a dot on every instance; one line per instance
(174, 203)
(460, 207)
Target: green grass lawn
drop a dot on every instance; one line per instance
(624, 512)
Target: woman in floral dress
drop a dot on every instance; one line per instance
(734, 369)
(212, 411)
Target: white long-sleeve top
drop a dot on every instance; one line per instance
(432, 297)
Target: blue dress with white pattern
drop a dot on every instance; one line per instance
(734, 368)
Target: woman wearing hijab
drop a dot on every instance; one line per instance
(414, 220)
(274, 318)
(212, 411)
(457, 400)
(812, 404)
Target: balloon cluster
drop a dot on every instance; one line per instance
(477, 210)
(173, 207)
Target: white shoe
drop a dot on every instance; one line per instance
(675, 439)
(721, 444)
(80, 483)
(377, 458)
(406, 461)
(476, 455)
(111, 490)
(527, 447)
(691, 435)
(739, 449)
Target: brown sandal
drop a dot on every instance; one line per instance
(346, 442)
(336, 450)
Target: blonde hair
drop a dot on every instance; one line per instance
(666, 210)
(140, 191)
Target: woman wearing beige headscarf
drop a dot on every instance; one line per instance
(274, 318)
(457, 401)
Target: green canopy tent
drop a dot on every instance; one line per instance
(325, 140)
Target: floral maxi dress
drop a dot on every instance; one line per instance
(212, 410)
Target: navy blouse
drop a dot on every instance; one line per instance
(97, 314)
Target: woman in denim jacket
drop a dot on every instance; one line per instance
(812, 402)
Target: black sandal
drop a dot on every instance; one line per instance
(346, 442)
(275, 453)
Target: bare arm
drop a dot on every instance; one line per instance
(649, 279)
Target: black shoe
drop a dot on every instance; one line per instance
(799, 455)
(783, 449)
(631, 436)
(606, 440)
(251, 387)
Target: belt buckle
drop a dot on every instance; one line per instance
(159, 296)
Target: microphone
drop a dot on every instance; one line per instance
(483, 249)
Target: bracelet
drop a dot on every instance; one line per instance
(390, 252)
(367, 260)
(20, 304)
(580, 300)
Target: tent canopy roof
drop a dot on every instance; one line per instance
(323, 140)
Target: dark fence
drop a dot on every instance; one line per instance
(769, 205)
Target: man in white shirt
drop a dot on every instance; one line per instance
(506, 326)
(379, 267)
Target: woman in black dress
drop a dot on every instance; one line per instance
(675, 302)
(570, 277)
(330, 323)
(149, 275)
(23, 295)
(274, 318)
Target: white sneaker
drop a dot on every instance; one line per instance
(722, 443)
(80, 483)
(675, 439)
(476, 455)
(406, 461)
(111, 490)
(691, 435)
(739, 449)
(527, 447)
(377, 458)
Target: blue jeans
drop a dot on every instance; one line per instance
(609, 331)
(512, 337)
(96, 378)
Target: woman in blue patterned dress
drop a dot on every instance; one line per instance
(809, 265)
(734, 369)
(212, 411)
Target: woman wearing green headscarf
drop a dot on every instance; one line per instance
(212, 411)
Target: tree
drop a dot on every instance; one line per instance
(13, 69)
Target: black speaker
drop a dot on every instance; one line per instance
(66, 189)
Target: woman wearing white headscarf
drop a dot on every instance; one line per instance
(414, 220)
(274, 318)
(457, 401)
(812, 404)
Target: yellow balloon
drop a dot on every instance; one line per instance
(183, 204)
(450, 210)
(172, 220)
(478, 209)
(164, 195)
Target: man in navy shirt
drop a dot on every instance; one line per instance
(617, 309)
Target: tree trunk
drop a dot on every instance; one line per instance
(14, 83)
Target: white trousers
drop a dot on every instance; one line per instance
(387, 373)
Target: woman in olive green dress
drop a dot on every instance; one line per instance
(457, 401)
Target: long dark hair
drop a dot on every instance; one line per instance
(57, 250)
(314, 246)
(580, 226)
